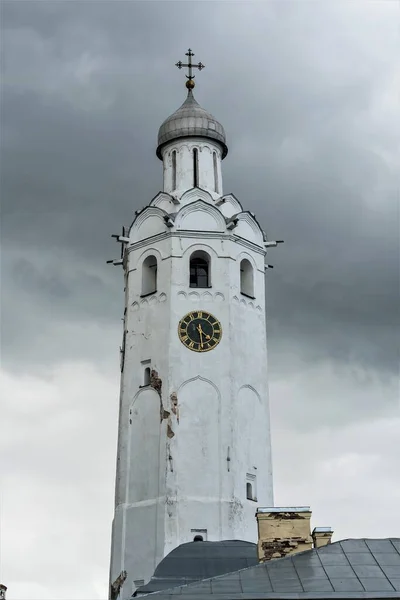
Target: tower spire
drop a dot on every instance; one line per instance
(190, 78)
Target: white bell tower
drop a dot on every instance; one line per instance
(194, 448)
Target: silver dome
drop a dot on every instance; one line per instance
(191, 120)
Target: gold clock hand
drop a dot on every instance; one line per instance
(199, 329)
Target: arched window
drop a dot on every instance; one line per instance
(200, 270)
(195, 168)
(146, 378)
(251, 487)
(215, 171)
(174, 169)
(198, 538)
(149, 276)
(246, 278)
(249, 491)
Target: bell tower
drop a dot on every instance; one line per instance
(194, 449)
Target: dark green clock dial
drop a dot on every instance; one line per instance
(199, 331)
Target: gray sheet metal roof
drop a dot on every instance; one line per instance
(346, 569)
(188, 121)
(195, 561)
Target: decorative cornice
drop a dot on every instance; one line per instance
(198, 235)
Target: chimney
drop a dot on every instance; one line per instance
(322, 536)
(283, 531)
(3, 590)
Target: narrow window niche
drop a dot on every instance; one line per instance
(174, 169)
(246, 278)
(149, 276)
(146, 370)
(199, 535)
(195, 167)
(215, 171)
(251, 487)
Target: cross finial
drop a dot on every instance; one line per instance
(190, 65)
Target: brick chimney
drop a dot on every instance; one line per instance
(283, 531)
(322, 536)
(3, 590)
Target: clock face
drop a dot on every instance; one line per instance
(199, 331)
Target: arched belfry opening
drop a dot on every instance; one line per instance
(199, 270)
(246, 278)
(149, 276)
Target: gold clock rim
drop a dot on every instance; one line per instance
(193, 349)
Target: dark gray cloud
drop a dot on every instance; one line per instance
(86, 86)
(307, 93)
(308, 109)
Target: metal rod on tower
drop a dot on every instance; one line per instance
(273, 244)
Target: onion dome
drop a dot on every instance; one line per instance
(191, 120)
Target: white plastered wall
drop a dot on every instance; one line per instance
(188, 443)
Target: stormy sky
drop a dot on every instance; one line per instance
(308, 95)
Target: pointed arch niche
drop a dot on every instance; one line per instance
(199, 419)
(143, 475)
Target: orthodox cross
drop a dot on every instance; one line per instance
(190, 65)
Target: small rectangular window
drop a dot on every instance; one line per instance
(199, 535)
(251, 487)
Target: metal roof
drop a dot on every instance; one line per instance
(196, 561)
(190, 120)
(347, 569)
